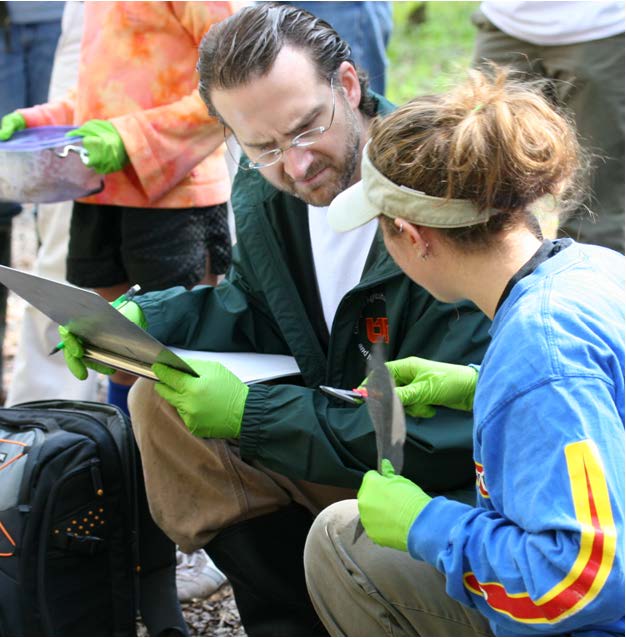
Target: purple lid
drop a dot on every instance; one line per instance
(39, 138)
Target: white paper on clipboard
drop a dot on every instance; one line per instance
(249, 367)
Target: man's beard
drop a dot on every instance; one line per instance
(341, 174)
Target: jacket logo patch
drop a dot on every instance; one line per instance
(372, 324)
(377, 329)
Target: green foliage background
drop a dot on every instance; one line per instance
(424, 57)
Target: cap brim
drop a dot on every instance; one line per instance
(351, 209)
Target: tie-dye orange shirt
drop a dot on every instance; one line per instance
(137, 70)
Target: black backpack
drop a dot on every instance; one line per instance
(79, 552)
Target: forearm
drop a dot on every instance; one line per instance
(57, 113)
(521, 580)
(164, 144)
(299, 432)
(288, 429)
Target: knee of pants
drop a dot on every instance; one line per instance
(320, 548)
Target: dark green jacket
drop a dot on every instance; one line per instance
(270, 303)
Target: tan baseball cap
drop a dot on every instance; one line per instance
(375, 194)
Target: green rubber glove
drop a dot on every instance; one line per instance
(74, 352)
(11, 124)
(132, 312)
(389, 505)
(104, 145)
(421, 383)
(210, 405)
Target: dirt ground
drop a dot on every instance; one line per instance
(215, 616)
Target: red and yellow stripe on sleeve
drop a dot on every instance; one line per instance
(592, 565)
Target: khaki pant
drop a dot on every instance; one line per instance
(197, 487)
(361, 589)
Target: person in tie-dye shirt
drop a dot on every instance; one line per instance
(161, 218)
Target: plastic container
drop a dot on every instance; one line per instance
(43, 165)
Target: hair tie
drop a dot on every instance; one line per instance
(477, 108)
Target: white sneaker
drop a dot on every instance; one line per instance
(196, 575)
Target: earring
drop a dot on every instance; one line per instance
(425, 253)
(401, 227)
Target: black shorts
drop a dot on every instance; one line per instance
(155, 248)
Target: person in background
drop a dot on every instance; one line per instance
(53, 380)
(161, 219)
(29, 35)
(366, 27)
(451, 178)
(165, 183)
(579, 48)
(241, 470)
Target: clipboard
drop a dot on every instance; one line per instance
(108, 336)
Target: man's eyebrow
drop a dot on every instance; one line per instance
(293, 131)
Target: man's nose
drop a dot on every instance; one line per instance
(296, 162)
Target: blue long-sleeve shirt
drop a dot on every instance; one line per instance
(543, 551)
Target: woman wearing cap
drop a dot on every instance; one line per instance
(451, 178)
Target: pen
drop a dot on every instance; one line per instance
(122, 299)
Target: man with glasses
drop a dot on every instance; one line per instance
(242, 470)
